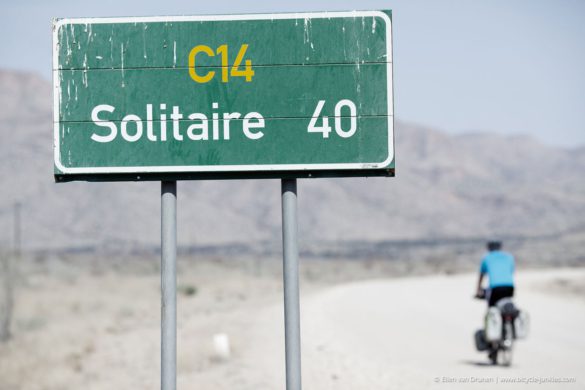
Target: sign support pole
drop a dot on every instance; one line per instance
(169, 285)
(292, 328)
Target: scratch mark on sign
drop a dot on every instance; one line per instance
(174, 54)
(344, 46)
(69, 52)
(144, 42)
(122, 63)
(59, 92)
(111, 51)
(85, 70)
(307, 36)
(88, 30)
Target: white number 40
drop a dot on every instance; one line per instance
(325, 129)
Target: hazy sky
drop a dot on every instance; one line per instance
(509, 66)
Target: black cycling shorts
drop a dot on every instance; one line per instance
(498, 293)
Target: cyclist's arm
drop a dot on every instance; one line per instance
(482, 272)
(479, 283)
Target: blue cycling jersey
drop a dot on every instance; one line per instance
(499, 266)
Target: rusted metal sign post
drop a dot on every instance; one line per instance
(224, 97)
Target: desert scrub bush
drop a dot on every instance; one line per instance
(187, 290)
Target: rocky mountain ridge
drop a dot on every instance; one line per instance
(465, 186)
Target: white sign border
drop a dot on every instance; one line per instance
(220, 168)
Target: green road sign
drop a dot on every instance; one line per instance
(272, 95)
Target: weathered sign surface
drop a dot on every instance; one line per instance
(277, 95)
